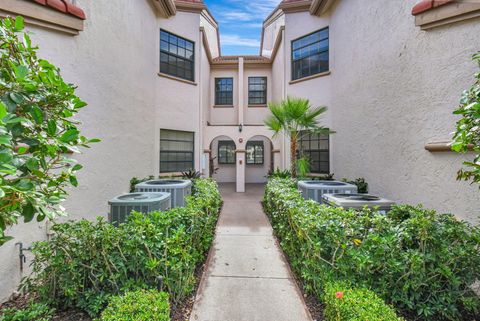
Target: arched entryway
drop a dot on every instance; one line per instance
(222, 163)
(258, 159)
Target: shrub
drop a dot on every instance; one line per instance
(278, 173)
(362, 185)
(138, 306)
(467, 135)
(36, 131)
(191, 174)
(33, 312)
(134, 181)
(416, 259)
(344, 303)
(86, 262)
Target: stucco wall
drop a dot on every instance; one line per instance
(114, 63)
(255, 115)
(177, 104)
(258, 173)
(224, 115)
(317, 90)
(225, 173)
(392, 91)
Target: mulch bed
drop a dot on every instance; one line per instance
(179, 312)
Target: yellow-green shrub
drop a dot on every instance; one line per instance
(137, 306)
(345, 303)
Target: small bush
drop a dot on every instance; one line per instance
(278, 173)
(86, 262)
(361, 184)
(344, 303)
(138, 306)
(33, 312)
(134, 181)
(418, 260)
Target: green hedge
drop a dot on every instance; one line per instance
(138, 306)
(86, 262)
(344, 303)
(421, 262)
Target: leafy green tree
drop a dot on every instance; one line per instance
(467, 135)
(293, 117)
(37, 131)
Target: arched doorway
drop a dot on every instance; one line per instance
(258, 159)
(223, 159)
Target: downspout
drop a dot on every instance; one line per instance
(200, 106)
(284, 92)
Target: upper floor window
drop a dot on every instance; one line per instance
(176, 151)
(226, 152)
(254, 153)
(257, 90)
(224, 91)
(316, 148)
(177, 56)
(310, 54)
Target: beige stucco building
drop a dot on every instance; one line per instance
(163, 99)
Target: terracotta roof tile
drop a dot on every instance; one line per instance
(64, 6)
(425, 5)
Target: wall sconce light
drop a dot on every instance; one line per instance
(240, 128)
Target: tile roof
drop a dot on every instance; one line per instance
(63, 6)
(425, 5)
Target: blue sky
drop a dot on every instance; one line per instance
(240, 23)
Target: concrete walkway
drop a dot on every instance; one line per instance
(246, 277)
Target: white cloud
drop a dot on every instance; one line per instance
(236, 40)
(235, 16)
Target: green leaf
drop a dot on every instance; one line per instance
(5, 139)
(22, 150)
(3, 110)
(69, 135)
(80, 104)
(77, 167)
(2, 193)
(73, 180)
(8, 169)
(21, 71)
(16, 97)
(28, 212)
(5, 156)
(37, 114)
(51, 127)
(32, 164)
(19, 23)
(24, 185)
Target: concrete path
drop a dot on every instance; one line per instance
(246, 277)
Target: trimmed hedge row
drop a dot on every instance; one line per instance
(343, 303)
(138, 306)
(85, 262)
(421, 262)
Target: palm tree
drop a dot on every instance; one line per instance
(294, 116)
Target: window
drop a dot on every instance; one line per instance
(257, 90)
(310, 54)
(176, 151)
(255, 153)
(226, 152)
(315, 147)
(176, 56)
(224, 91)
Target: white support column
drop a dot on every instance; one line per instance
(240, 91)
(240, 171)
